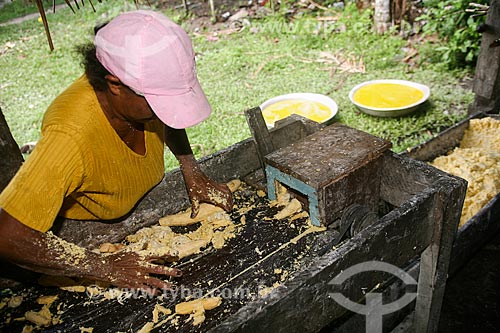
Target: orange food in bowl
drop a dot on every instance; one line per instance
(387, 95)
(313, 110)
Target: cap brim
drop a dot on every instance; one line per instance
(181, 111)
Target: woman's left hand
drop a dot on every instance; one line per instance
(201, 188)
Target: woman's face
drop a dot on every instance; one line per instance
(135, 107)
(126, 104)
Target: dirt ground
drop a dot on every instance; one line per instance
(201, 16)
(227, 13)
(201, 8)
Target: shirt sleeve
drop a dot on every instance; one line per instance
(52, 172)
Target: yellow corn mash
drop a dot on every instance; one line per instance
(476, 160)
(387, 95)
(315, 111)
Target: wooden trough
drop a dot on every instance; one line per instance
(483, 226)
(419, 210)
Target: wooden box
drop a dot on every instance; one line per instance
(334, 168)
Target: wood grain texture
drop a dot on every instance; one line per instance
(11, 157)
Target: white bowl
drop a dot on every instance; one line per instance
(391, 112)
(323, 99)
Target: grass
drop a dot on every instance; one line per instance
(269, 57)
(17, 8)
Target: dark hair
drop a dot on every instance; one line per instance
(94, 70)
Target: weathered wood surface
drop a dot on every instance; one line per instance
(335, 167)
(260, 133)
(469, 238)
(10, 155)
(487, 73)
(476, 233)
(170, 195)
(393, 290)
(303, 304)
(238, 271)
(435, 260)
(11, 160)
(337, 151)
(442, 144)
(418, 196)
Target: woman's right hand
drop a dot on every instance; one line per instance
(131, 270)
(51, 255)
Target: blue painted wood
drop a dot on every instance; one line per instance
(274, 175)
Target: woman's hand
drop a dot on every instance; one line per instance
(131, 270)
(49, 254)
(200, 188)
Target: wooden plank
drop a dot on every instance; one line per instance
(327, 155)
(476, 232)
(334, 168)
(11, 155)
(435, 260)
(407, 228)
(260, 134)
(487, 73)
(245, 264)
(440, 145)
(306, 296)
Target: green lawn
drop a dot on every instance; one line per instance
(17, 8)
(238, 71)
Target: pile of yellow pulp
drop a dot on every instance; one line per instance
(387, 95)
(315, 111)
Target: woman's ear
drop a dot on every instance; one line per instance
(114, 84)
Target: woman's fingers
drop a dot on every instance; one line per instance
(147, 283)
(195, 207)
(220, 195)
(213, 193)
(171, 257)
(227, 203)
(158, 283)
(131, 270)
(163, 270)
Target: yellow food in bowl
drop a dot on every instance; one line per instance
(387, 95)
(315, 111)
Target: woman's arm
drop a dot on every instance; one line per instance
(200, 188)
(49, 254)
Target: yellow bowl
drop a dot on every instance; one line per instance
(316, 107)
(389, 98)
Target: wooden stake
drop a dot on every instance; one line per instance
(45, 23)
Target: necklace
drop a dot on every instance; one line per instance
(131, 137)
(131, 128)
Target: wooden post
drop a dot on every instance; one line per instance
(382, 16)
(10, 155)
(487, 74)
(435, 260)
(212, 11)
(260, 134)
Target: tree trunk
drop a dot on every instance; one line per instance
(10, 155)
(487, 74)
(382, 16)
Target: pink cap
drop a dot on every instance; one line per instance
(154, 56)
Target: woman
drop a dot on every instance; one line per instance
(102, 149)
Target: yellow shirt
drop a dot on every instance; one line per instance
(80, 168)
